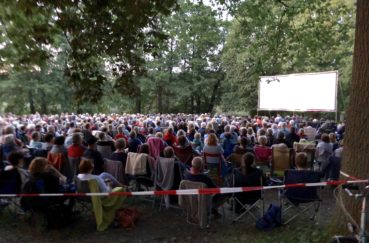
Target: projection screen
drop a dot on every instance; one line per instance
(299, 92)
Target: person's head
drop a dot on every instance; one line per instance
(301, 160)
(86, 166)
(120, 143)
(101, 136)
(59, 140)
(332, 138)
(263, 140)
(36, 136)
(132, 134)
(197, 136)
(244, 142)
(262, 132)
(212, 140)
(159, 135)
(76, 139)
(250, 131)
(325, 138)
(168, 152)
(37, 166)
(49, 137)
(144, 149)
(91, 141)
(170, 130)
(182, 141)
(247, 160)
(16, 158)
(280, 135)
(197, 164)
(269, 132)
(243, 131)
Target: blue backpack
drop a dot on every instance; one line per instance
(271, 219)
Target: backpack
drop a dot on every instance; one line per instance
(271, 219)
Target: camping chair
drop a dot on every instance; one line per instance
(281, 161)
(10, 183)
(262, 159)
(85, 202)
(198, 207)
(105, 148)
(215, 170)
(115, 168)
(73, 165)
(139, 168)
(245, 202)
(184, 155)
(156, 146)
(302, 199)
(168, 176)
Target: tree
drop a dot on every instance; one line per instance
(276, 37)
(356, 154)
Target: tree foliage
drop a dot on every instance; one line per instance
(165, 56)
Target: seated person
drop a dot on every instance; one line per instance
(197, 143)
(301, 161)
(183, 150)
(46, 179)
(76, 150)
(244, 147)
(119, 154)
(262, 152)
(246, 176)
(94, 155)
(196, 174)
(16, 160)
(35, 141)
(105, 180)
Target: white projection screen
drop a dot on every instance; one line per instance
(299, 92)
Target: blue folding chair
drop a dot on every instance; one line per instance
(301, 199)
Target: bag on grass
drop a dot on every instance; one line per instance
(271, 219)
(127, 217)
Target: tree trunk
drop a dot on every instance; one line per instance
(214, 94)
(356, 153)
(31, 102)
(138, 102)
(159, 98)
(43, 102)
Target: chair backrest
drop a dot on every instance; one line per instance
(137, 164)
(82, 185)
(197, 206)
(10, 182)
(281, 158)
(308, 148)
(115, 168)
(262, 155)
(156, 146)
(185, 155)
(58, 160)
(211, 155)
(165, 172)
(105, 150)
(302, 194)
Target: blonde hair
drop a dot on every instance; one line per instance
(212, 140)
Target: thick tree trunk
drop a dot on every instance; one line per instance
(43, 102)
(138, 102)
(356, 153)
(159, 98)
(214, 95)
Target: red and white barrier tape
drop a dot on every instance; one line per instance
(205, 191)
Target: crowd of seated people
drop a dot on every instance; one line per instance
(65, 136)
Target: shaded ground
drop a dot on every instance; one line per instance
(170, 226)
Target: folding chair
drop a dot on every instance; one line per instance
(215, 170)
(184, 155)
(245, 202)
(262, 159)
(105, 148)
(73, 165)
(301, 199)
(198, 207)
(85, 202)
(10, 183)
(281, 161)
(168, 176)
(115, 168)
